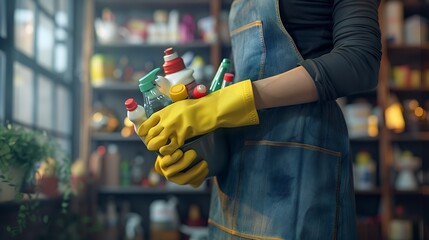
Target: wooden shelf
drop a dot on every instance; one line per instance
(114, 137)
(150, 191)
(117, 86)
(423, 191)
(153, 2)
(372, 192)
(409, 89)
(410, 137)
(407, 50)
(145, 46)
(364, 139)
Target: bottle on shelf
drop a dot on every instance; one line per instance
(135, 113)
(178, 92)
(137, 170)
(199, 91)
(125, 173)
(227, 79)
(216, 83)
(112, 166)
(364, 170)
(154, 100)
(400, 228)
(176, 71)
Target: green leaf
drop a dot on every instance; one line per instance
(8, 228)
(19, 196)
(45, 219)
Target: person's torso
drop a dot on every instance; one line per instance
(309, 22)
(283, 175)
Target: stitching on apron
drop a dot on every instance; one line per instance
(337, 200)
(285, 32)
(237, 190)
(256, 23)
(264, 52)
(293, 145)
(239, 234)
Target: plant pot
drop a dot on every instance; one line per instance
(49, 186)
(7, 192)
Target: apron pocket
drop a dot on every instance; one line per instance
(249, 58)
(288, 189)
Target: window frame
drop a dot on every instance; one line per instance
(69, 79)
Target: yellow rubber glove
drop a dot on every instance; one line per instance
(232, 106)
(174, 168)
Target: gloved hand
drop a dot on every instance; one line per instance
(232, 106)
(174, 168)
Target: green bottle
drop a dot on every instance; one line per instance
(218, 78)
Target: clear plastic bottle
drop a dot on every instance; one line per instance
(227, 79)
(216, 83)
(135, 113)
(154, 100)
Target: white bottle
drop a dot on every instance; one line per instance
(135, 113)
(176, 72)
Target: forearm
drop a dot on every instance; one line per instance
(289, 88)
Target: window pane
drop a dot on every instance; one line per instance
(24, 26)
(45, 41)
(44, 103)
(2, 85)
(48, 5)
(23, 94)
(60, 34)
(63, 111)
(65, 145)
(3, 18)
(60, 58)
(61, 16)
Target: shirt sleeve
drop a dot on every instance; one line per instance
(353, 64)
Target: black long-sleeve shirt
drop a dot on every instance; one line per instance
(340, 41)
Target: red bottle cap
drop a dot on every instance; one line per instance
(172, 62)
(229, 77)
(199, 91)
(130, 104)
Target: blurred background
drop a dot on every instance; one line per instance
(67, 67)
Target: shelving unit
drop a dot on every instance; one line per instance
(418, 141)
(114, 94)
(368, 202)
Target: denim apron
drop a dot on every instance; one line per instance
(290, 176)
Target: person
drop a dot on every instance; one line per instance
(289, 172)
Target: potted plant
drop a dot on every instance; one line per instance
(20, 150)
(28, 154)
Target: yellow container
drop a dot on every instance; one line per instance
(102, 68)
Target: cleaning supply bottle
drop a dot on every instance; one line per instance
(154, 100)
(227, 79)
(135, 113)
(216, 83)
(364, 171)
(178, 92)
(199, 91)
(176, 71)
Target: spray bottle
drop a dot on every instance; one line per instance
(154, 100)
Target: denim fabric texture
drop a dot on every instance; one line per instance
(290, 176)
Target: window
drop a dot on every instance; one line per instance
(2, 86)
(39, 53)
